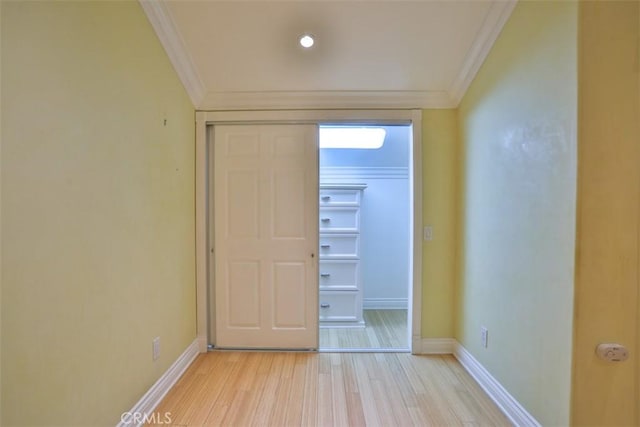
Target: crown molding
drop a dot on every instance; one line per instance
(266, 100)
(495, 20)
(343, 173)
(160, 18)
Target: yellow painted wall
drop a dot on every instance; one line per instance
(439, 143)
(608, 213)
(0, 214)
(517, 208)
(97, 211)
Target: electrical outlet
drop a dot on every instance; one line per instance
(428, 233)
(156, 348)
(484, 336)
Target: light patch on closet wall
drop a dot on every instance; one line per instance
(351, 137)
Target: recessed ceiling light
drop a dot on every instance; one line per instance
(306, 41)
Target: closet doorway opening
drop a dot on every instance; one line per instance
(365, 237)
(206, 277)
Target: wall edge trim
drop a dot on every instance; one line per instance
(152, 398)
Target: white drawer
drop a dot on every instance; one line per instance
(339, 246)
(340, 219)
(339, 306)
(339, 275)
(336, 197)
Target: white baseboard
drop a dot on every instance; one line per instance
(496, 392)
(385, 303)
(507, 403)
(437, 346)
(141, 412)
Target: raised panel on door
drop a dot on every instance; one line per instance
(243, 204)
(289, 295)
(243, 299)
(289, 221)
(266, 207)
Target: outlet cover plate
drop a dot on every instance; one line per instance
(156, 348)
(484, 336)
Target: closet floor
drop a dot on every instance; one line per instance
(385, 329)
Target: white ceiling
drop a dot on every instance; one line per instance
(368, 53)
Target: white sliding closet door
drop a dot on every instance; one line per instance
(266, 236)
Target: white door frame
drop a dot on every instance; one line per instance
(202, 211)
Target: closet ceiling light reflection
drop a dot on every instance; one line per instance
(351, 137)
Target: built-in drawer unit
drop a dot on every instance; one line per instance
(339, 246)
(339, 219)
(339, 275)
(339, 197)
(339, 281)
(339, 306)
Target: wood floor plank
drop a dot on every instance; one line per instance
(226, 393)
(350, 378)
(212, 389)
(310, 403)
(433, 397)
(256, 388)
(248, 380)
(338, 395)
(268, 397)
(392, 389)
(323, 389)
(325, 402)
(403, 382)
(383, 329)
(355, 410)
(296, 395)
(175, 396)
(352, 392)
(366, 388)
(283, 391)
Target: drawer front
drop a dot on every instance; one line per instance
(335, 197)
(339, 219)
(341, 275)
(338, 306)
(339, 246)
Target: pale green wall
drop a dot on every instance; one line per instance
(97, 211)
(439, 143)
(517, 208)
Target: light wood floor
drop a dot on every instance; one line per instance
(327, 389)
(384, 329)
